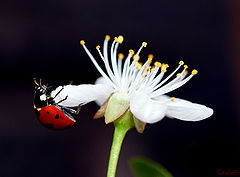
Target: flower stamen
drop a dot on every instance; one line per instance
(194, 72)
(96, 64)
(166, 79)
(174, 86)
(120, 58)
(107, 37)
(134, 75)
(109, 71)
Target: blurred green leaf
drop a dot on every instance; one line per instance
(143, 167)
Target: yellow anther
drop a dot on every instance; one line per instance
(82, 42)
(140, 63)
(107, 37)
(163, 68)
(139, 66)
(116, 39)
(178, 74)
(157, 64)
(120, 39)
(186, 66)
(181, 62)
(153, 67)
(98, 47)
(144, 44)
(149, 60)
(150, 56)
(194, 72)
(173, 98)
(121, 56)
(146, 71)
(185, 72)
(136, 57)
(166, 65)
(147, 67)
(132, 52)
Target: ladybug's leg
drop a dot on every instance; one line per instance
(58, 93)
(62, 99)
(78, 108)
(72, 111)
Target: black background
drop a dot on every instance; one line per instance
(41, 39)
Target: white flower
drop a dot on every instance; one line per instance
(135, 86)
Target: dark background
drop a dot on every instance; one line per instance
(41, 39)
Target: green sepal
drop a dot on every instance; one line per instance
(101, 111)
(117, 105)
(139, 125)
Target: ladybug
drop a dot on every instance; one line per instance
(50, 113)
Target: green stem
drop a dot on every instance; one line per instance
(121, 127)
(118, 137)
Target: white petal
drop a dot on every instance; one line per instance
(146, 109)
(101, 80)
(108, 91)
(186, 110)
(79, 94)
(162, 98)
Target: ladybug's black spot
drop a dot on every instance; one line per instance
(57, 116)
(49, 125)
(48, 112)
(37, 112)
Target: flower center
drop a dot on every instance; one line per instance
(121, 97)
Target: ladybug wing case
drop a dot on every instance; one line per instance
(54, 118)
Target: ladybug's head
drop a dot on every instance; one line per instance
(41, 88)
(41, 97)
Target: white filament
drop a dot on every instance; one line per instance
(128, 78)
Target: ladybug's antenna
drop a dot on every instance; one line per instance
(34, 80)
(40, 82)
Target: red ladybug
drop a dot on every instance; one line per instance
(49, 113)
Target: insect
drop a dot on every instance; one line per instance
(50, 113)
